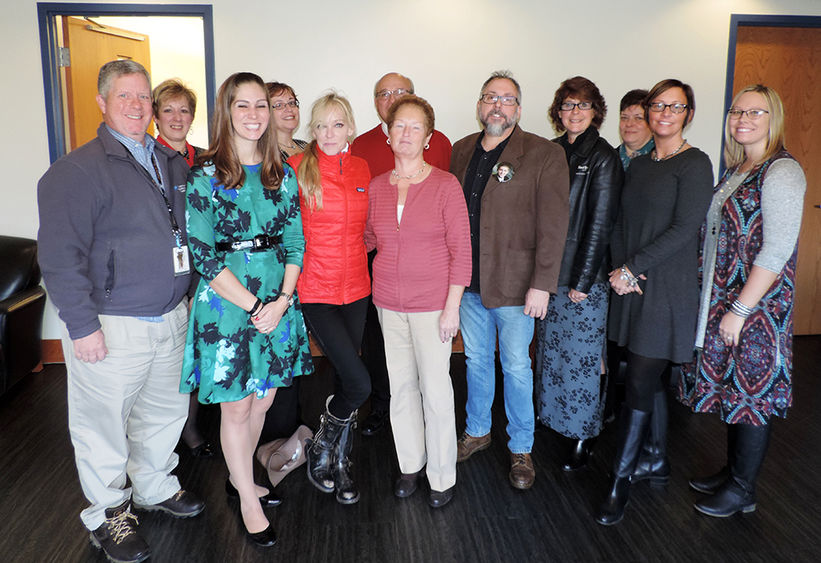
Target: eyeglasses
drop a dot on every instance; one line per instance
(752, 114)
(385, 94)
(659, 107)
(504, 100)
(282, 105)
(570, 106)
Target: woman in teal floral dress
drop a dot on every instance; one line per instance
(247, 336)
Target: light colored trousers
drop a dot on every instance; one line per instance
(422, 410)
(126, 413)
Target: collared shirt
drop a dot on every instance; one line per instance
(476, 176)
(626, 158)
(142, 154)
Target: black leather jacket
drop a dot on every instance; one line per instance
(596, 178)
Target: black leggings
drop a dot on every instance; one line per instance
(338, 331)
(645, 377)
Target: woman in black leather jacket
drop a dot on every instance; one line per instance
(571, 376)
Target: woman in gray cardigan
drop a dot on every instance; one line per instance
(655, 251)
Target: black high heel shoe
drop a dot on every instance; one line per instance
(265, 538)
(269, 500)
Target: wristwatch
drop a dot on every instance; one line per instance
(290, 297)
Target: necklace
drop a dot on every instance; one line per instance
(656, 158)
(283, 145)
(396, 174)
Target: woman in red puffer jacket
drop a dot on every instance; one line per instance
(334, 285)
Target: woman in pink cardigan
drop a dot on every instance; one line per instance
(418, 222)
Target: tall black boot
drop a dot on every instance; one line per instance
(653, 464)
(346, 491)
(321, 452)
(632, 429)
(710, 484)
(737, 494)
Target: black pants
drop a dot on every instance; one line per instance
(373, 354)
(645, 377)
(338, 331)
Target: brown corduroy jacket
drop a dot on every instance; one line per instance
(524, 221)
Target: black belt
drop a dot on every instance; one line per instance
(259, 242)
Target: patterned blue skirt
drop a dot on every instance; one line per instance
(570, 345)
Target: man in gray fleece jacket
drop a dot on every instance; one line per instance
(115, 262)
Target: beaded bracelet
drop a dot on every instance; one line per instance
(257, 306)
(631, 280)
(740, 309)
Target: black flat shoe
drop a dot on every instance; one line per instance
(438, 499)
(203, 450)
(265, 538)
(405, 485)
(375, 422)
(269, 500)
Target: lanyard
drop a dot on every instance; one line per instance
(175, 228)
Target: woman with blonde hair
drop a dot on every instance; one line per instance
(246, 337)
(334, 284)
(744, 335)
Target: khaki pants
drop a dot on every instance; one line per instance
(422, 410)
(126, 413)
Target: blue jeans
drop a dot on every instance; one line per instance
(479, 325)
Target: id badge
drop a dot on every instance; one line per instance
(182, 265)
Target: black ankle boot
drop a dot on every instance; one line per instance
(582, 450)
(653, 464)
(632, 429)
(321, 450)
(737, 494)
(346, 491)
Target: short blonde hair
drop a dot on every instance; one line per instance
(172, 89)
(733, 150)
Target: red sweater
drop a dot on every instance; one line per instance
(335, 264)
(372, 146)
(418, 259)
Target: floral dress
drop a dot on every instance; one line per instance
(225, 355)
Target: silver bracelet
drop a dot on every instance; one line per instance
(740, 309)
(631, 280)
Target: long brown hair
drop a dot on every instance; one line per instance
(221, 153)
(308, 170)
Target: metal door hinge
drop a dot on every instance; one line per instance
(63, 57)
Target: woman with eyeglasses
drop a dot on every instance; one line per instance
(570, 368)
(744, 336)
(655, 248)
(285, 106)
(334, 285)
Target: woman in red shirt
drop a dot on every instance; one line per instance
(418, 222)
(334, 284)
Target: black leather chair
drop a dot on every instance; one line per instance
(22, 302)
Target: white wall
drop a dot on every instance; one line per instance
(447, 47)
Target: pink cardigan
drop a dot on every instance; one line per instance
(418, 259)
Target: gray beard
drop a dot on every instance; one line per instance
(498, 129)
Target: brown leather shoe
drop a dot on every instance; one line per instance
(468, 445)
(522, 473)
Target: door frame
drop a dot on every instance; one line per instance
(46, 13)
(754, 20)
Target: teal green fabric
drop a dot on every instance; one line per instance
(226, 357)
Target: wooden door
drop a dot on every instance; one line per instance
(90, 47)
(789, 60)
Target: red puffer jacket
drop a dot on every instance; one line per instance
(335, 264)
